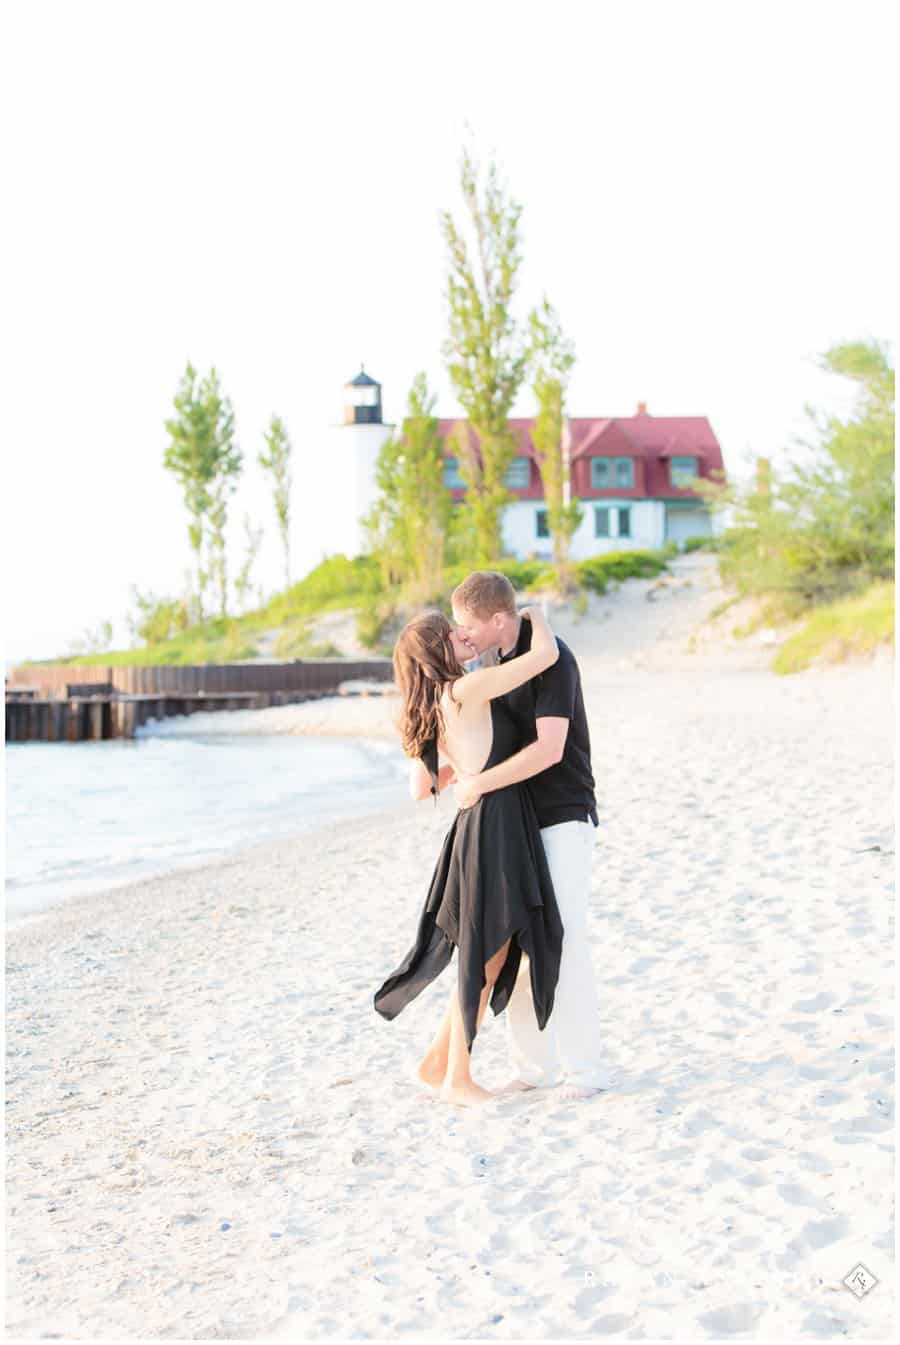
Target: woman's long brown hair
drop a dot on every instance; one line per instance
(424, 663)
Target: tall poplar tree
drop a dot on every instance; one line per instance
(551, 357)
(408, 524)
(228, 464)
(191, 455)
(276, 459)
(484, 350)
(253, 538)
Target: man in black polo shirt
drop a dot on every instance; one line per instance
(555, 760)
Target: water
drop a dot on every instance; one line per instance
(82, 817)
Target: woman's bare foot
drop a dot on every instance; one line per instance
(466, 1094)
(432, 1068)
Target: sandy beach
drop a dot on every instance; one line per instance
(211, 1133)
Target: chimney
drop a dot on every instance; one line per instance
(642, 408)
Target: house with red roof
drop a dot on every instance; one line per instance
(632, 475)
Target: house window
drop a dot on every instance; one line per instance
(625, 472)
(681, 470)
(599, 472)
(612, 471)
(452, 478)
(624, 522)
(542, 527)
(601, 521)
(518, 474)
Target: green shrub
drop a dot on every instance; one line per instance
(522, 574)
(376, 623)
(157, 619)
(596, 572)
(336, 582)
(296, 641)
(234, 645)
(699, 544)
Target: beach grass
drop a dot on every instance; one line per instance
(851, 627)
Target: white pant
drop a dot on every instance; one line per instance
(571, 1045)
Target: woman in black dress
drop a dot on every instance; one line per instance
(491, 897)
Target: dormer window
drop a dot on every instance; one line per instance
(682, 470)
(606, 472)
(518, 474)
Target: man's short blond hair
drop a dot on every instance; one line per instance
(484, 593)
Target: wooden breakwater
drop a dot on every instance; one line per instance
(67, 703)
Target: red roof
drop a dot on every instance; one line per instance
(651, 439)
(650, 436)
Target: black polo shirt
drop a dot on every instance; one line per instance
(563, 792)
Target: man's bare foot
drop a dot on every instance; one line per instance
(432, 1068)
(469, 1094)
(566, 1092)
(514, 1086)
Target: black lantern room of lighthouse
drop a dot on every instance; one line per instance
(362, 400)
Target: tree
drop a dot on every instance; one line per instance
(849, 494)
(484, 350)
(819, 530)
(253, 538)
(227, 466)
(202, 456)
(277, 460)
(189, 456)
(408, 524)
(551, 358)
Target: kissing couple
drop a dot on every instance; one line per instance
(511, 885)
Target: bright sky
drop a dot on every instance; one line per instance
(256, 186)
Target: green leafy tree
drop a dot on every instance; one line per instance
(848, 495)
(408, 523)
(484, 350)
(276, 459)
(202, 456)
(825, 528)
(551, 357)
(190, 458)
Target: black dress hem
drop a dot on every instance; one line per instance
(491, 884)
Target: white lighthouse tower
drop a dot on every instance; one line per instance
(353, 453)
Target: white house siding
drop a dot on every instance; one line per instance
(683, 523)
(520, 537)
(519, 530)
(646, 527)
